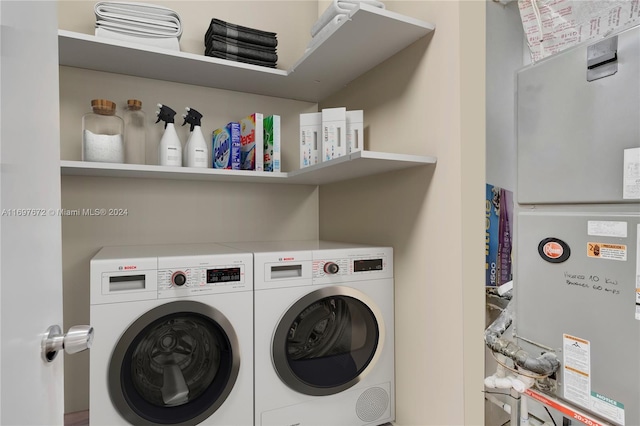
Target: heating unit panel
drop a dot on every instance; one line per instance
(575, 136)
(576, 293)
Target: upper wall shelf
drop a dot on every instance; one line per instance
(355, 165)
(371, 36)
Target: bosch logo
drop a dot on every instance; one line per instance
(285, 258)
(128, 268)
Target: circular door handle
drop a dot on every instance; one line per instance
(77, 339)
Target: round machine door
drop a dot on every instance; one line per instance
(327, 341)
(176, 364)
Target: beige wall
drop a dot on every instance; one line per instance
(427, 100)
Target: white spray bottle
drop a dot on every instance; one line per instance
(170, 149)
(196, 150)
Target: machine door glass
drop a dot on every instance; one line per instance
(327, 341)
(175, 365)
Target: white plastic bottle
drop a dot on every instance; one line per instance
(196, 150)
(170, 149)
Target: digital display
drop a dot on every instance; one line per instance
(224, 275)
(367, 265)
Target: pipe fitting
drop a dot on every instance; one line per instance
(544, 365)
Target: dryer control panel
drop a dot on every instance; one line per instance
(337, 266)
(343, 267)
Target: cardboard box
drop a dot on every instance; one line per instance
(272, 157)
(252, 142)
(226, 147)
(498, 235)
(310, 131)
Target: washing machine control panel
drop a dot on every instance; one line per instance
(193, 280)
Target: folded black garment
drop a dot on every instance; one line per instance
(243, 52)
(238, 32)
(238, 43)
(222, 55)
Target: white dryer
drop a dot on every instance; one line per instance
(324, 339)
(173, 336)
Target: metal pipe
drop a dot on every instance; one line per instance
(545, 365)
(515, 407)
(504, 405)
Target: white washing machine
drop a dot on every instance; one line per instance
(324, 342)
(173, 336)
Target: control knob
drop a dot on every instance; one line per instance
(331, 268)
(179, 279)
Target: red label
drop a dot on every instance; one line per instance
(251, 137)
(287, 258)
(130, 267)
(553, 250)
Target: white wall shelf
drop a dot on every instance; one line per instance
(357, 45)
(358, 164)
(371, 36)
(87, 168)
(355, 165)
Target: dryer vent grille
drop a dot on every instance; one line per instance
(372, 404)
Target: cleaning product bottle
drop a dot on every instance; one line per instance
(170, 149)
(196, 151)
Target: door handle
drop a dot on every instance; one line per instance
(77, 339)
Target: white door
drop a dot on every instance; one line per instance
(31, 389)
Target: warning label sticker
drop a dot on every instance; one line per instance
(607, 407)
(631, 188)
(638, 275)
(607, 251)
(577, 369)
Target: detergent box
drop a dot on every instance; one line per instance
(226, 147)
(310, 130)
(355, 130)
(252, 142)
(334, 137)
(498, 235)
(272, 158)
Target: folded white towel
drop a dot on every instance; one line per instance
(340, 7)
(171, 43)
(327, 30)
(144, 18)
(135, 28)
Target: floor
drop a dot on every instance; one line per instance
(80, 418)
